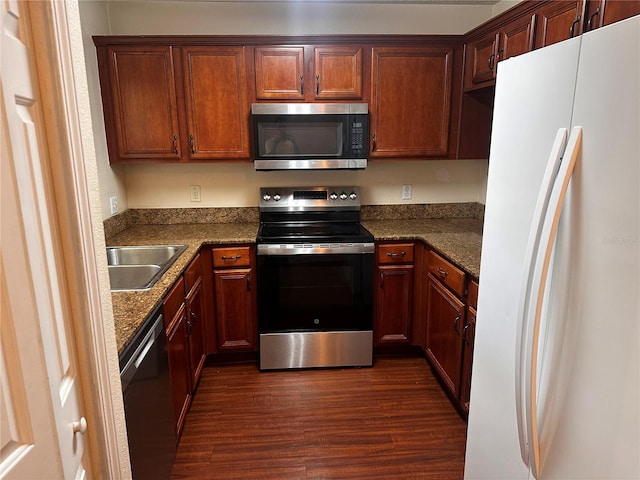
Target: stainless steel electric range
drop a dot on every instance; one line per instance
(315, 279)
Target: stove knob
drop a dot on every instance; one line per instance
(333, 196)
(343, 196)
(277, 197)
(353, 195)
(266, 197)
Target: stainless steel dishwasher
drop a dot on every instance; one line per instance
(144, 372)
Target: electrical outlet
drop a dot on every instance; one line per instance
(406, 192)
(194, 193)
(113, 202)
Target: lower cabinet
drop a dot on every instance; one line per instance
(235, 298)
(184, 320)
(393, 295)
(178, 351)
(445, 319)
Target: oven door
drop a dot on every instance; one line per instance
(315, 310)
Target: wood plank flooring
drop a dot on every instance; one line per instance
(391, 421)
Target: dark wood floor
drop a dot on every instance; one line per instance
(392, 421)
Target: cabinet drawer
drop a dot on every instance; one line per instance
(472, 296)
(395, 253)
(448, 274)
(193, 273)
(173, 301)
(231, 257)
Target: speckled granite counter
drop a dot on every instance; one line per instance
(459, 239)
(131, 308)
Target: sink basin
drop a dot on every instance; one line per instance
(140, 267)
(144, 255)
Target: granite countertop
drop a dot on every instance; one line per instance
(130, 309)
(458, 239)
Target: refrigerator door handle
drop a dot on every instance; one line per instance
(550, 174)
(536, 299)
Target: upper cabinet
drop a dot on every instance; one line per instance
(410, 107)
(534, 24)
(485, 51)
(312, 73)
(174, 104)
(216, 102)
(604, 12)
(140, 103)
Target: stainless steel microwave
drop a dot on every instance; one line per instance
(310, 136)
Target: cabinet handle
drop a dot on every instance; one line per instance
(594, 15)
(455, 324)
(373, 142)
(317, 84)
(443, 273)
(248, 282)
(393, 254)
(381, 279)
(490, 61)
(301, 84)
(234, 257)
(573, 26)
(193, 150)
(192, 314)
(174, 144)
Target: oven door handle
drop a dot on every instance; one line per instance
(316, 249)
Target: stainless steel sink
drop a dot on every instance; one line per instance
(140, 267)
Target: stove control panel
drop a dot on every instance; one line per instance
(309, 198)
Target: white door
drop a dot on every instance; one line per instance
(41, 403)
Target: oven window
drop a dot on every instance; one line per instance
(299, 138)
(314, 292)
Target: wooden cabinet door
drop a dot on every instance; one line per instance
(141, 118)
(195, 330)
(481, 61)
(235, 309)
(216, 102)
(337, 73)
(410, 100)
(516, 38)
(469, 333)
(279, 73)
(394, 300)
(605, 12)
(177, 349)
(445, 320)
(558, 21)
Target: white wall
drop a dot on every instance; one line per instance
(94, 20)
(167, 186)
(164, 186)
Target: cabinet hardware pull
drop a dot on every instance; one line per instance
(301, 84)
(381, 279)
(442, 272)
(373, 142)
(249, 282)
(393, 254)
(193, 150)
(235, 257)
(192, 314)
(455, 324)
(594, 15)
(174, 144)
(317, 84)
(490, 61)
(573, 26)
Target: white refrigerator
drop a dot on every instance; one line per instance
(556, 368)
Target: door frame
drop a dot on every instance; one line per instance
(62, 83)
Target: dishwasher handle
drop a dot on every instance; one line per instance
(128, 372)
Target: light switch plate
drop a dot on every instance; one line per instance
(194, 193)
(113, 203)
